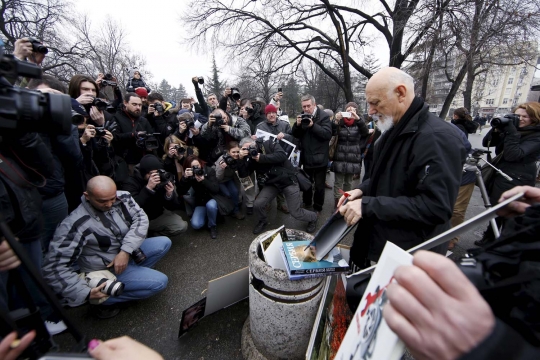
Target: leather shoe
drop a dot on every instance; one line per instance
(105, 312)
(260, 227)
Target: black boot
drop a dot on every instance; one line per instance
(260, 227)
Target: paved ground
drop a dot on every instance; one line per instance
(193, 260)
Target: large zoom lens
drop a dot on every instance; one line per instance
(499, 122)
(111, 288)
(33, 111)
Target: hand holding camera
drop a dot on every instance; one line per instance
(97, 115)
(23, 49)
(85, 99)
(169, 188)
(89, 133)
(153, 181)
(96, 292)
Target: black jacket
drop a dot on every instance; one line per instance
(417, 186)
(521, 149)
(204, 190)
(151, 202)
(272, 155)
(348, 154)
(125, 136)
(132, 84)
(467, 126)
(315, 140)
(20, 201)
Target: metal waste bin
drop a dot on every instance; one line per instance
(281, 311)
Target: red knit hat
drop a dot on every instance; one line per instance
(141, 92)
(270, 108)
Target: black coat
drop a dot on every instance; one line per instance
(467, 126)
(315, 140)
(152, 203)
(417, 187)
(125, 136)
(204, 190)
(273, 155)
(136, 83)
(348, 154)
(521, 149)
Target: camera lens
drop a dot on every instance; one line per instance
(113, 288)
(138, 256)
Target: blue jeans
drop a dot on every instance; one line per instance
(54, 211)
(230, 190)
(140, 281)
(202, 212)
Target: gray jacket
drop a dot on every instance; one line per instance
(276, 128)
(238, 129)
(87, 236)
(223, 175)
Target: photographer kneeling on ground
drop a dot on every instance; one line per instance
(102, 234)
(153, 189)
(226, 167)
(202, 179)
(275, 174)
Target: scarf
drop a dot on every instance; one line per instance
(386, 142)
(348, 122)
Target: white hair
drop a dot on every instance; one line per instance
(400, 77)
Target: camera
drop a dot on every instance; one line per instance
(235, 94)
(101, 105)
(158, 107)
(253, 150)
(306, 120)
(200, 80)
(279, 89)
(179, 149)
(112, 287)
(31, 111)
(37, 46)
(147, 141)
(164, 178)
(138, 256)
(230, 161)
(100, 132)
(262, 179)
(76, 118)
(219, 119)
(189, 123)
(500, 122)
(108, 83)
(198, 171)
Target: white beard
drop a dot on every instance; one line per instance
(384, 122)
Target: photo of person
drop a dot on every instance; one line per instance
(309, 255)
(191, 316)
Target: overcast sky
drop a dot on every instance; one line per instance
(153, 29)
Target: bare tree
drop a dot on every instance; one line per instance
(331, 35)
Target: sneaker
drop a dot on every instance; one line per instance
(213, 232)
(260, 227)
(249, 210)
(55, 327)
(238, 215)
(312, 225)
(105, 312)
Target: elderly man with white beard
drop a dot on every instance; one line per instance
(415, 176)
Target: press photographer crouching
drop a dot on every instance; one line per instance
(275, 174)
(221, 129)
(106, 233)
(516, 138)
(226, 167)
(153, 189)
(205, 194)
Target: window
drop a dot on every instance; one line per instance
(510, 81)
(489, 101)
(495, 82)
(505, 101)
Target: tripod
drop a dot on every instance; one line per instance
(472, 164)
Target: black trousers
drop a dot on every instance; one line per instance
(318, 176)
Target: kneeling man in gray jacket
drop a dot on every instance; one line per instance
(106, 232)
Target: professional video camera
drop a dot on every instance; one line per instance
(147, 141)
(306, 120)
(197, 170)
(108, 81)
(500, 122)
(30, 111)
(235, 94)
(37, 46)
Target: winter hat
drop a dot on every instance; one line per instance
(351, 104)
(329, 112)
(141, 92)
(270, 108)
(149, 163)
(78, 108)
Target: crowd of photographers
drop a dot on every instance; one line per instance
(113, 184)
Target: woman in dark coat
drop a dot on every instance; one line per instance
(136, 82)
(463, 120)
(520, 147)
(348, 153)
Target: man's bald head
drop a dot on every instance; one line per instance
(101, 192)
(389, 93)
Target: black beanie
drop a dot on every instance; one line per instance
(149, 163)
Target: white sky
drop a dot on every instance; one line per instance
(165, 56)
